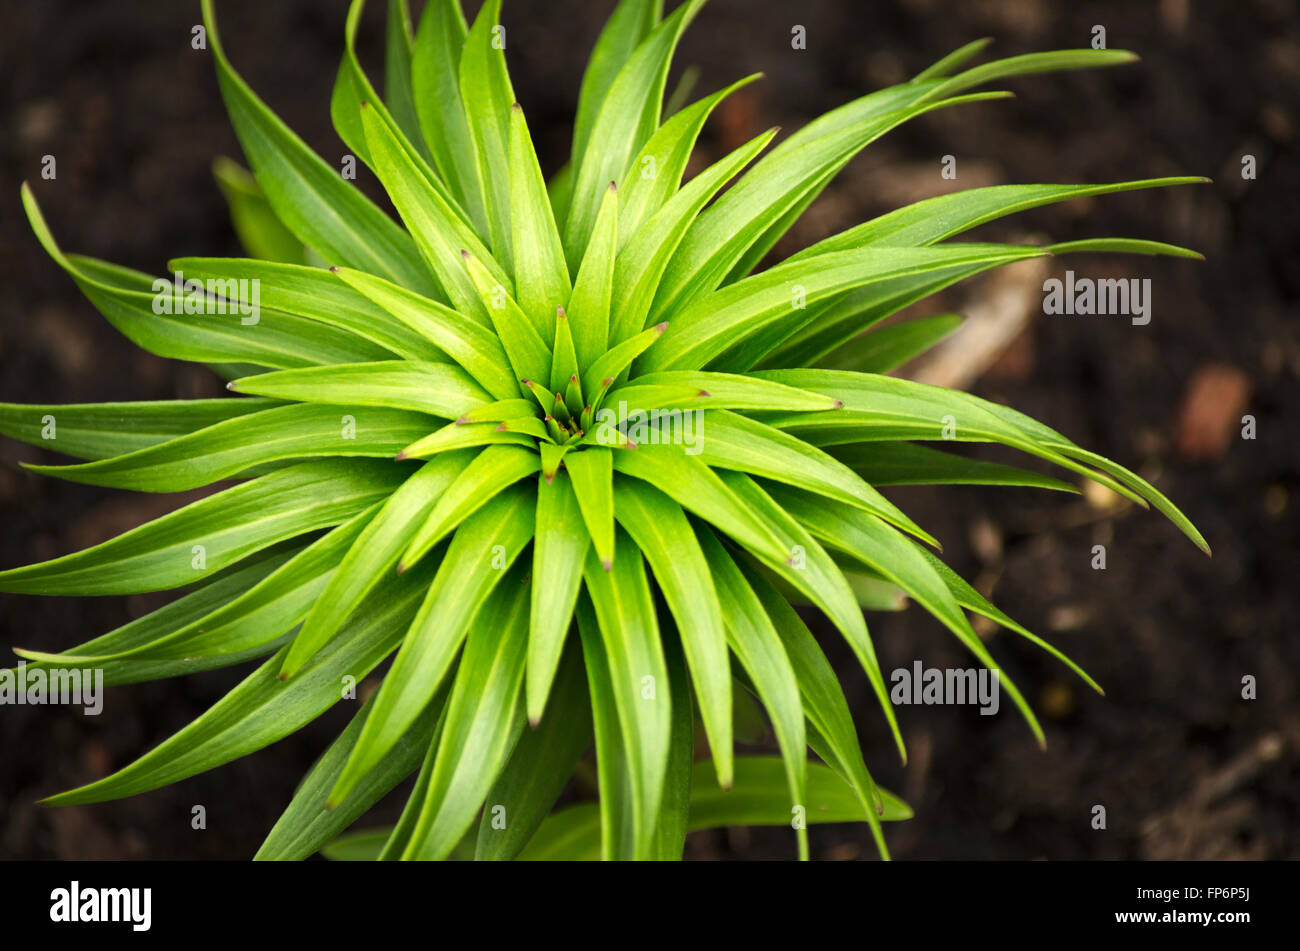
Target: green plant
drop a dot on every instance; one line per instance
(423, 405)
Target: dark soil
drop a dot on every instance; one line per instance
(1184, 766)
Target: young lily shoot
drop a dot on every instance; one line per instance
(551, 477)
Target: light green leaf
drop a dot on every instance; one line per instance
(306, 825)
(642, 262)
(589, 306)
(466, 577)
(629, 24)
(656, 173)
(180, 613)
(541, 765)
(309, 292)
(664, 536)
(435, 78)
(719, 321)
(903, 463)
(487, 94)
(613, 825)
(626, 119)
(541, 274)
(758, 647)
(438, 230)
(228, 448)
(670, 833)
(559, 552)
(528, 350)
(682, 389)
(491, 471)
(890, 347)
(203, 537)
(483, 721)
(592, 472)
(638, 679)
(472, 345)
(100, 430)
(573, 833)
(127, 300)
(375, 553)
(439, 389)
(260, 231)
(309, 196)
(263, 709)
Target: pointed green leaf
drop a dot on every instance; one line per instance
(540, 766)
(484, 719)
(308, 195)
(373, 555)
(592, 472)
(664, 536)
(559, 552)
(203, 537)
(472, 568)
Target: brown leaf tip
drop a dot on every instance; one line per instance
(400, 456)
(334, 268)
(464, 254)
(661, 327)
(560, 314)
(839, 404)
(401, 568)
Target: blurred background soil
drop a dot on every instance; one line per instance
(1184, 766)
